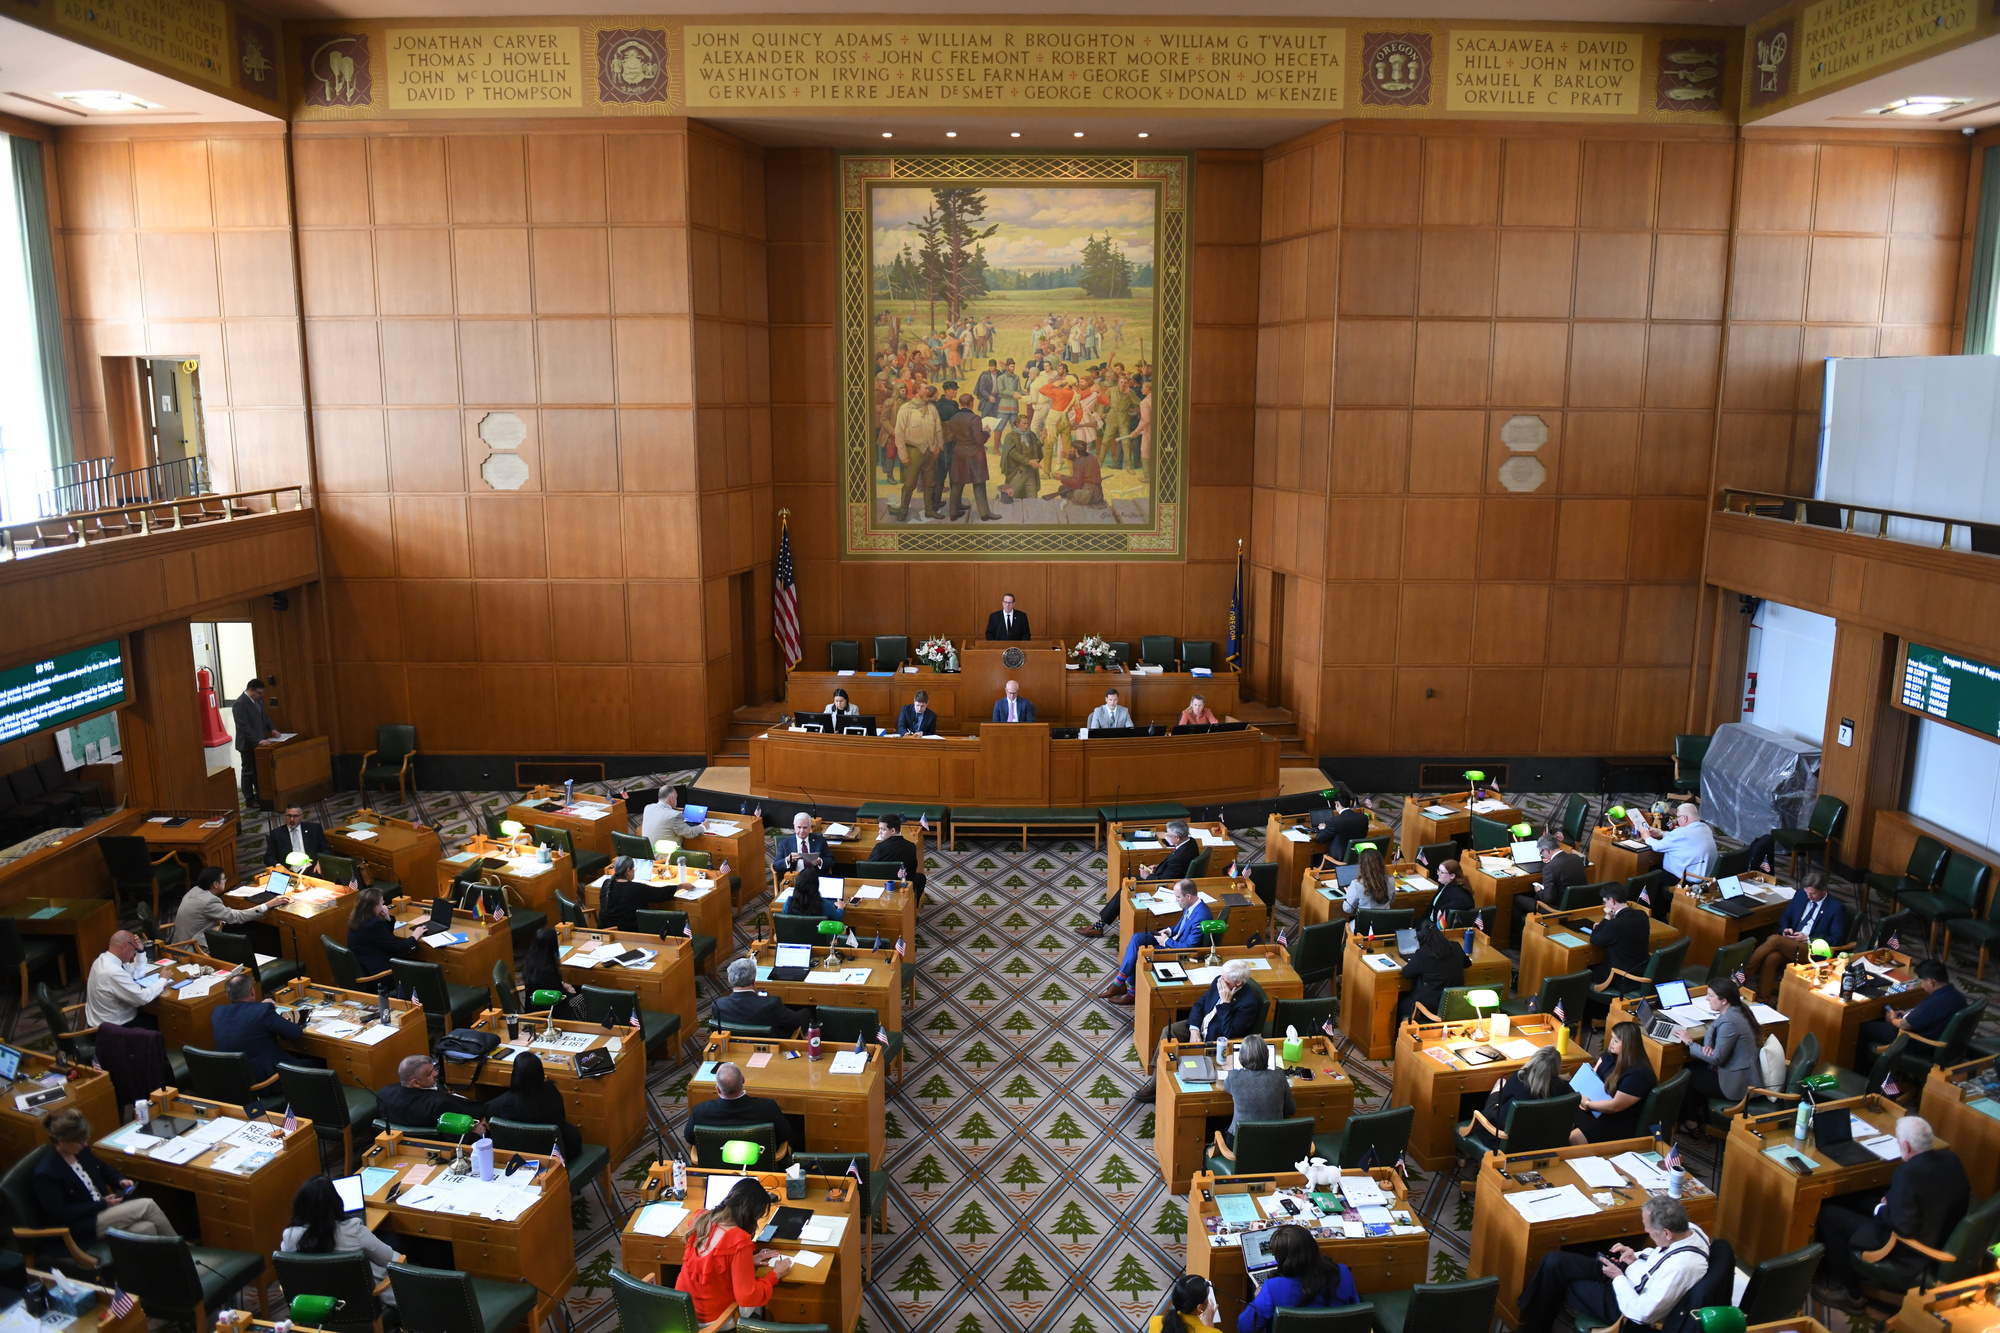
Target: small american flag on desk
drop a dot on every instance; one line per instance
(121, 1303)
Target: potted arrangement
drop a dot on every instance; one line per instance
(942, 654)
(1091, 652)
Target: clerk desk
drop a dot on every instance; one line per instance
(1958, 1101)
(1554, 944)
(1810, 993)
(1767, 1208)
(394, 851)
(1230, 899)
(87, 1090)
(1289, 845)
(1322, 899)
(609, 1109)
(1013, 765)
(1062, 697)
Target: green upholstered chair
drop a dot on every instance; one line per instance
(1575, 822)
(632, 845)
(447, 1004)
(1727, 961)
(1308, 1016)
(1197, 653)
(1490, 834)
(655, 1307)
(798, 929)
(891, 651)
(874, 1187)
(21, 956)
(1980, 931)
(1891, 1270)
(1384, 920)
(36, 1234)
(336, 1109)
(1386, 1133)
(231, 947)
(393, 759)
(347, 969)
(1569, 990)
(843, 655)
(226, 1076)
(1264, 1146)
(1689, 751)
(587, 1166)
(1958, 896)
(1925, 864)
(1779, 1286)
(175, 1280)
(137, 874)
(707, 1143)
(589, 865)
(1466, 1305)
(840, 1025)
(666, 921)
(1662, 1104)
(1157, 650)
(1822, 829)
(1324, 1319)
(1316, 951)
(658, 1032)
(344, 1277)
(440, 1300)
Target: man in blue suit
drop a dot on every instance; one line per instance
(1814, 914)
(916, 717)
(249, 1024)
(1184, 934)
(1013, 708)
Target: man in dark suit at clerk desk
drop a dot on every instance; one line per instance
(916, 717)
(1013, 708)
(1007, 623)
(295, 834)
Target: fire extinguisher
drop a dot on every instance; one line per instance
(212, 732)
(1750, 693)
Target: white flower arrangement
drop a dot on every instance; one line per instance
(1091, 650)
(940, 654)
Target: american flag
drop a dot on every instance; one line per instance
(785, 599)
(121, 1303)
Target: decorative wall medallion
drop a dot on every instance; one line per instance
(337, 69)
(1013, 658)
(504, 468)
(256, 58)
(1524, 433)
(1771, 63)
(1396, 69)
(632, 65)
(1690, 75)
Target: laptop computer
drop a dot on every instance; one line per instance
(353, 1203)
(1258, 1261)
(793, 962)
(694, 814)
(10, 1064)
(1653, 1023)
(440, 915)
(1833, 1136)
(1673, 994)
(1406, 942)
(1527, 855)
(1736, 900)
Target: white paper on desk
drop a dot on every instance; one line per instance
(1381, 962)
(532, 867)
(199, 987)
(839, 830)
(1487, 806)
(1376, 1216)
(244, 1161)
(1696, 1012)
(179, 1151)
(1883, 1146)
(868, 891)
(807, 1258)
(824, 1231)
(1647, 1175)
(1439, 811)
(848, 1062)
(855, 976)
(1201, 976)
(1549, 1205)
(376, 1035)
(1766, 1015)
(441, 939)
(1518, 1049)
(133, 1140)
(159, 819)
(659, 1219)
(822, 978)
(247, 891)
(590, 811)
(1293, 835)
(722, 828)
(1597, 1173)
(1362, 1191)
(695, 894)
(361, 835)
(1418, 882)
(335, 1027)
(215, 1131)
(1259, 964)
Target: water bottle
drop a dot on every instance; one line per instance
(1676, 1180)
(1468, 941)
(1802, 1120)
(1848, 981)
(812, 1042)
(1222, 1052)
(569, 791)
(680, 1178)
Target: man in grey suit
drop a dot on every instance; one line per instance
(1013, 708)
(1110, 714)
(253, 724)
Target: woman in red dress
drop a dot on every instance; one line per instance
(719, 1268)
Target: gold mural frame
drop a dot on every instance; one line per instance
(1171, 177)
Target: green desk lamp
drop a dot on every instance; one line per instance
(511, 829)
(1614, 814)
(665, 848)
(312, 1311)
(1481, 1001)
(1213, 931)
(456, 1124)
(547, 999)
(1473, 777)
(1522, 832)
(298, 861)
(829, 929)
(742, 1152)
(1354, 849)
(1720, 1319)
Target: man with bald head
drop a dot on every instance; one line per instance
(116, 990)
(416, 1100)
(733, 1107)
(1013, 708)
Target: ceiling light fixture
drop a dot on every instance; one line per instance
(1013, 134)
(103, 99)
(951, 134)
(1144, 135)
(887, 134)
(1919, 106)
(1076, 134)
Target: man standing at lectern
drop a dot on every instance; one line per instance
(1007, 623)
(1013, 708)
(253, 724)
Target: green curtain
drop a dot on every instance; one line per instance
(31, 189)
(1982, 310)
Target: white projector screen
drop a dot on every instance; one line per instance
(1916, 433)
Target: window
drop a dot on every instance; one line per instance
(34, 404)
(1982, 310)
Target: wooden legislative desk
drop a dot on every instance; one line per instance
(609, 1109)
(705, 901)
(1802, 993)
(745, 850)
(1379, 1263)
(1296, 859)
(1506, 1245)
(533, 883)
(882, 992)
(207, 839)
(589, 820)
(829, 1112)
(1545, 954)
(293, 772)
(237, 1212)
(890, 917)
(1951, 1102)
(1609, 861)
(312, 911)
(538, 1247)
(1420, 829)
(1184, 1109)
(1954, 1307)
(100, 1319)
(1321, 898)
(88, 1090)
(827, 1293)
(1061, 697)
(1709, 931)
(860, 839)
(1667, 1057)
(1423, 1080)
(1247, 915)
(1494, 883)
(361, 1064)
(1368, 995)
(1769, 1209)
(88, 923)
(470, 962)
(70, 866)
(1125, 856)
(393, 851)
(664, 984)
(184, 1019)
(1017, 765)
(1156, 1004)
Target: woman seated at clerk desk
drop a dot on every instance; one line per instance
(1540, 1077)
(1628, 1076)
(806, 899)
(531, 1099)
(1439, 962)
(839, 708)
(1196, 714)
(320, 1225)
(372, 937)
(1371, 887)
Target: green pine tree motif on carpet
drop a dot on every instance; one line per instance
(1131, 1057)
(1133, 1277)
(940, 1023)
(950, 921)
(1076, 881)
(1045, 900)
(955, 881)
(1022, 1171)
(677, 1089)
(917, 1279)
(1148, 1127)
(635, 1174)
(1083, 1323)
(1104, 1090)
(1172, 1221)
(1115, 1172)
(1053, 993)
(1094, 1022)
(1065, 1128)
(579, 1213)
(972, 1223)
(1086, 966)
(1049, 945)
(1015, 922)
(985, 902)
(927, 1172)
(1018, 1023)
(936, 1090)
(1074, 1222)
(1077, 920)
(977, 1054)
(969, 1324)
(986, 865)
(1018, 968)
(981, 994)
(597, 1273)
(1462, 1219)
(1058, 1055)
(1445, 1267)
(892, 1128)
(1025, 1277)
(983, 943)
(945, 966)
(1020, 1089)
(1014, 881)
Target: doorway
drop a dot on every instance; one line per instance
(229, 652)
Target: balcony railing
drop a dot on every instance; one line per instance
(89, 484)
(122, 522)
(1899, 525)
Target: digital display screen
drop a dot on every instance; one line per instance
(1952, 688)
(58, 690)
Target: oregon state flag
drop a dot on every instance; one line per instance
(1234, 649)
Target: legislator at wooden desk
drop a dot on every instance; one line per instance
(589, 820)
(1433, 1075)
(1014, 765)
(1289, 845)
(1554, 944)
(1322, 899)
(87, 1090)
(1959, 1103)
(365, 1059)
(1667, 1057)
(1184, 1109)
(1157, 1001)
(1421, 829)
(1709, 930)
(829, 1112)
(609, 1109)
(386, 850)
(1768, 1209)
(1134, 845)
(1369, 995)
(1227, 899)
(1810, 993)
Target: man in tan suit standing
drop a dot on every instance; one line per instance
(919, 436)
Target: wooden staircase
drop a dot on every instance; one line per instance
(753, 719)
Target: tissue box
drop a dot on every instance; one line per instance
(72, 1301)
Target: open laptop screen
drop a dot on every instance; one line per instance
(795, 955)
(1673, 994)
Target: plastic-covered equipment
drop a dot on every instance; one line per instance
(1753, 781)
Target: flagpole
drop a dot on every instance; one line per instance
(784, 534)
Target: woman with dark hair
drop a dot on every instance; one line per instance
(1438, 962)
(1372, 887)
(1628, 1076)
(1191, 1308)
(620, 896)
(806, 899)
(542, 968)
(1305, 1277)
(719, 1265)
(320, 1226)
(1453, 896)
(372, 937)
(531, 1099)
(1725, 1065)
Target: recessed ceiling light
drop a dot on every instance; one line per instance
(101, 99)
(1013, 134)
(1919, 106)
(951, 134)
(1144, 135)
(887, 135)
(1076, 134)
